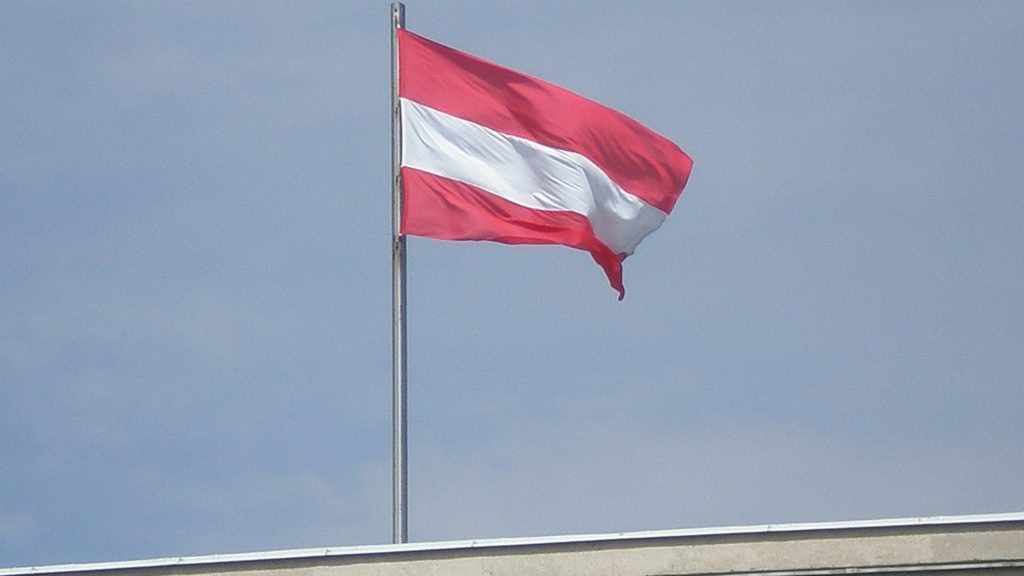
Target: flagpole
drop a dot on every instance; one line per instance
(399, 451)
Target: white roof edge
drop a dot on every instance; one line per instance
(327, 552)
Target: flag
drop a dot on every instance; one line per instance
(489, 153)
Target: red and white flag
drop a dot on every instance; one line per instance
(489, 153)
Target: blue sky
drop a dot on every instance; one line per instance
(195, 276)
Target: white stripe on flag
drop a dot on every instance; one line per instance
(525, 173)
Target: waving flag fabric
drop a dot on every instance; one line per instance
(493, 154)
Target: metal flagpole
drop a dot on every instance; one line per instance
(399, 454)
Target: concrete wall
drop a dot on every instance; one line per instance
(992, 545)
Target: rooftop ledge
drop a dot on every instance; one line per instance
(1004, 553)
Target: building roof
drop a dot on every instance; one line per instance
(943, 544)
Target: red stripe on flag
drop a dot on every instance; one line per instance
(445, 209)
(642, 162)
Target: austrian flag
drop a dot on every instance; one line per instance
(493, 154)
